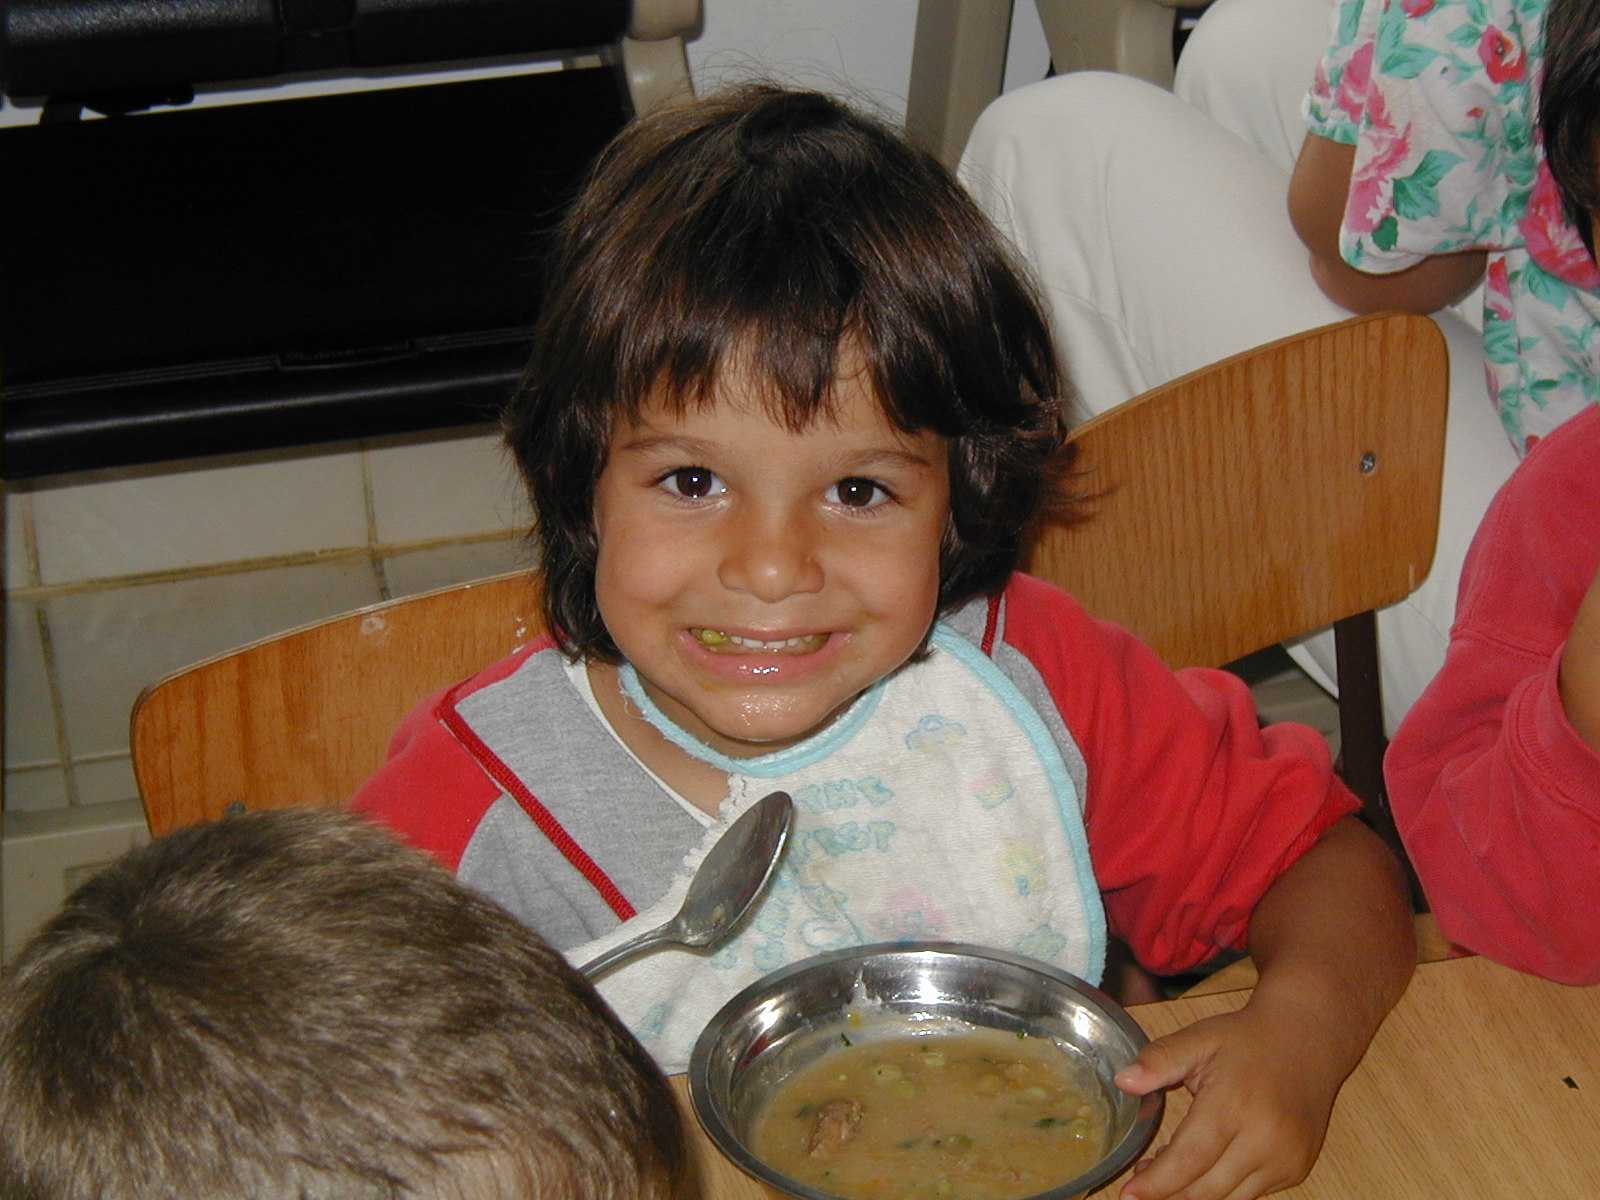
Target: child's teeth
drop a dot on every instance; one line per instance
(715, 637)
(756, 644)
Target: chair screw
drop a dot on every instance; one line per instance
(1369, 463)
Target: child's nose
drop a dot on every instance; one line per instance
(772, 557)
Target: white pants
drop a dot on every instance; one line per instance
(1157, 228)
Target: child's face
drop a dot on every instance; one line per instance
(759, 580)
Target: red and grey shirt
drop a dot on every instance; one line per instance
(1191, 810)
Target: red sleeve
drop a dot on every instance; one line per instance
(431, 791)
(1193, 809)
(1495, 794)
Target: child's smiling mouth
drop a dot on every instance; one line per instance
(719, 642)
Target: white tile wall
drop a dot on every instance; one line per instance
(445, 487)
(30, 735)
(440, 566)
(105, 781)
(110, 644)
(131, 522)
(148, 570)
(36, 789)
(43, 856)
(16, 563)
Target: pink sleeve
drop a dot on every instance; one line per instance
(1193, 809)
(1496, 796)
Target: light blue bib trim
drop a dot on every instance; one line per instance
(1066, 792)
(764, 766)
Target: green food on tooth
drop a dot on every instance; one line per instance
(711, 637)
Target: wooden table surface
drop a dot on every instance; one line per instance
(1483, 1084)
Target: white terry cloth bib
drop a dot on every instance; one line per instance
(936, 807)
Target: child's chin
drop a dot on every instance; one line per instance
(754, 747)
(753, 739)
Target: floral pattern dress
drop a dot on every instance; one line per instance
(1439, 99)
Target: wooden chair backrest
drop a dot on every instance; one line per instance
(1234, 511)
(1263, 496)
(302, 718)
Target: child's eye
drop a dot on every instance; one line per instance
(693, 483)
(857, 493)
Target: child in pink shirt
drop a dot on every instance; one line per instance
(1494, 776)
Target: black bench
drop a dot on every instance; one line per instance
(186, 279)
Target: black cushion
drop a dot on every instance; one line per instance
(95, 47)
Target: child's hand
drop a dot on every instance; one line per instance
(1261, 1107)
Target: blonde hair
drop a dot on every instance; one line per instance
(293, 1004)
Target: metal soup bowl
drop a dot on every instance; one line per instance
(785, 1022)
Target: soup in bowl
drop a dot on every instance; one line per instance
(924, 1070)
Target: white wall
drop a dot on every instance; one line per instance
(858, 50)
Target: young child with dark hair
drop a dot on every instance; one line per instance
(1494, 776)
(791, 412)
(294, 1004)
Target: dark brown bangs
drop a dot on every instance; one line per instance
(743, 261)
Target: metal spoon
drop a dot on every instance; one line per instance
(733, 874)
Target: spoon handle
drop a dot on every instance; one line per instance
(603, 962)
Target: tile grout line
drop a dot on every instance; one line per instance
(52, 682)
(30, 537)
(47, 653)
(246, 565)
(370, 504)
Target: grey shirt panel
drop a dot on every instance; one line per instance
(1018, 668)
(539, 725)
(512, 862)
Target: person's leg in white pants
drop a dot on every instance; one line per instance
(1161, 243)
(1247, 66)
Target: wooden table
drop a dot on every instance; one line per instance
(1483, 1084)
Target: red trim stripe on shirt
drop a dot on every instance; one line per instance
(991, 626)
(538, 813)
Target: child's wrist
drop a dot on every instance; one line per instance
(1315, 1013)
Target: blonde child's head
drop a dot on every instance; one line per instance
(293, 1004)
(785, 239)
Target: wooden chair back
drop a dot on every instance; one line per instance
(1277, 492)
(1259, 498)
(1263, 496)
(300, 719)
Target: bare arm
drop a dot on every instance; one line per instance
(1334, 944)
(1334, 934)
(1317, 194)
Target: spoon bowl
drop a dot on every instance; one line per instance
(728, 881)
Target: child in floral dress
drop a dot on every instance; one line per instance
(1494, 775)
(1156, 222)
(1439, 100)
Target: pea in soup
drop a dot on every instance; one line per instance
(978, 1114)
